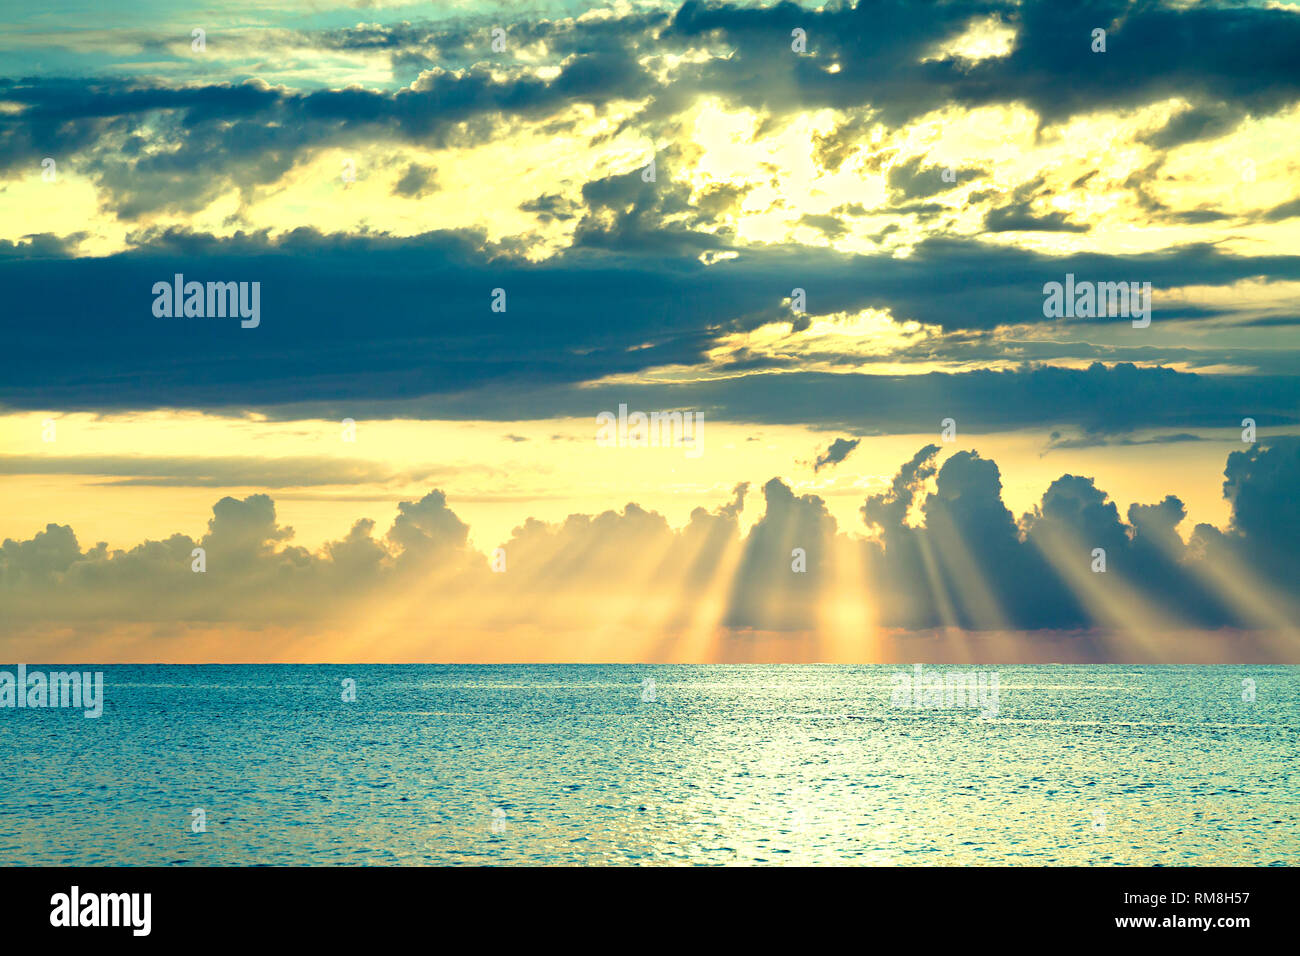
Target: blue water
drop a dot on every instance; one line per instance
(730, 764)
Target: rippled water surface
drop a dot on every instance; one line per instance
(730, 764)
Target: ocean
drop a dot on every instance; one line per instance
(657, 765)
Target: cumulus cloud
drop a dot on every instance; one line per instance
(937, 548)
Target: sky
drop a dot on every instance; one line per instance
(465, 238)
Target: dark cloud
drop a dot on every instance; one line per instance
(829, 226)
(1099, 441)
(630, 215)
(242, 135)
(1287, 210)
(1261, 484)
(839, 450)
(1229, 54)
(1019, 217)
(417, 181)
(552, 207)
(321, 331)
(1207, 121)
(913, 180)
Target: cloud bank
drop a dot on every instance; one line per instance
(937, 549)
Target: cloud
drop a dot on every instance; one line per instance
(672, 312)
(914, 180)
(1098, 441)
(1261, 484)
(417, 181)
(155, 148)
(157, 145)
(836, 453)
(941, 550)
(428, 530)
(1019, 217)
(1287, 210)
(1208, 121)
(1153, 50)
(216, 471)
(785, 563)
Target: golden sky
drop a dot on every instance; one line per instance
(473, 230)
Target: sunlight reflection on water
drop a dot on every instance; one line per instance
(727, 765)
